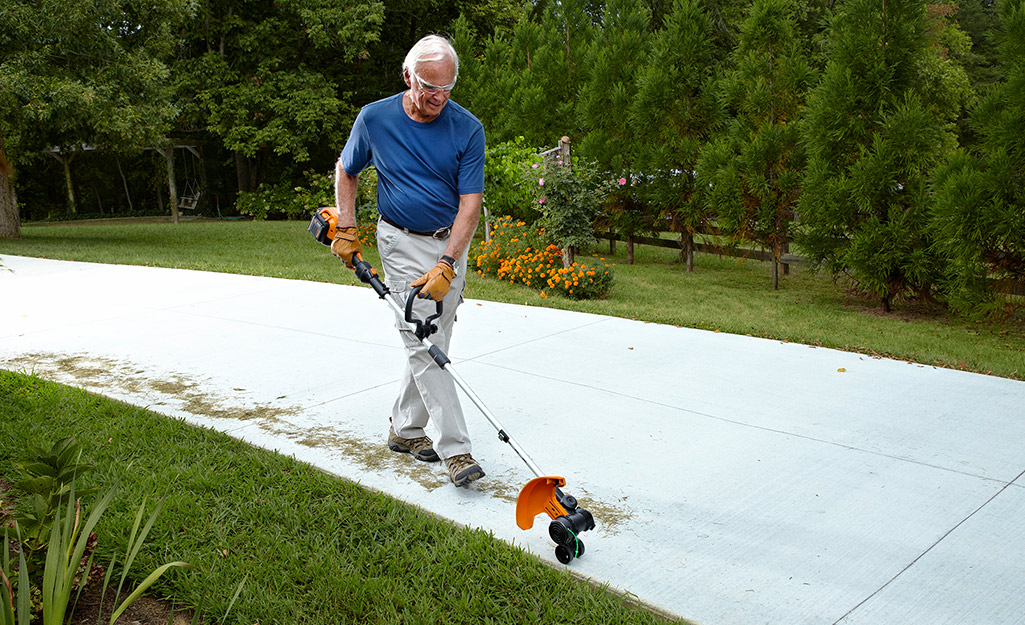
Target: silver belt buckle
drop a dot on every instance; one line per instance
(442, 233)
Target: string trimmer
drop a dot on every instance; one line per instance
(541, 494)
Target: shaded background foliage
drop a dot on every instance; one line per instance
(895, 106)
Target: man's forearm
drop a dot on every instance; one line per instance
(465, 225)
(345, 196)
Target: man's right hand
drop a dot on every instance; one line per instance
(346, 245)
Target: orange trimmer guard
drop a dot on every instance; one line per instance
(539, 496)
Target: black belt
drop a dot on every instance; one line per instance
(440, 233)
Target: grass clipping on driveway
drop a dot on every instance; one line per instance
(315, 548)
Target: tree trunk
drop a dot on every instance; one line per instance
(96, 192)
(687, 239)
(630, 250)
(567, 257)
(172, 184)
(204, 198)
(10, 221)
(777, 262)
(241, 172)
(66, 162)
(124, 181)
(249, 172)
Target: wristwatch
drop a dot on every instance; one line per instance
(451, 261)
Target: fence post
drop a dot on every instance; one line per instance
(565, 153)
(565, 156)
(487, 220)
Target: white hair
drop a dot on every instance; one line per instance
(430, 48)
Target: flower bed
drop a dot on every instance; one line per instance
(516, 253)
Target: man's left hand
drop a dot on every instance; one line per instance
(436, 282)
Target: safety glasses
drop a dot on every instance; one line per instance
(430, 88)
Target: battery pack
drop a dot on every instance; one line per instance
(322, 226)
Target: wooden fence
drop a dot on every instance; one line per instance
(722, 250)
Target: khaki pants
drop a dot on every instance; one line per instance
(426, 393)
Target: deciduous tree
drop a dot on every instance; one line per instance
(78, 72)
(271, 77)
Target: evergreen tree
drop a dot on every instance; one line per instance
(980, 21)
(672, 117)
(555, 72)
(753, 172)
(531, 76)
(613, 62)
(876, 126)
(980, 207)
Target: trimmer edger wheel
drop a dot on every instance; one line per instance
(565, 554)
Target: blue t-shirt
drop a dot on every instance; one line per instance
(422, 168)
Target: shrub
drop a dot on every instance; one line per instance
(570, 200)
(63, 544)
(288, 200)
(505, 190)
(285, 200)
(518, 254)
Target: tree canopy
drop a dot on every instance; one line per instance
(81, 72)
(841, 123)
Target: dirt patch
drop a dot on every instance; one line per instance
(372, 456)
(144, 611)
(608, 517)
(109, 376)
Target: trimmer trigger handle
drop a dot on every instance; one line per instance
(366, 274)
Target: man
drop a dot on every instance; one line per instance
(429, 156)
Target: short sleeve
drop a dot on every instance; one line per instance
(356, 154)
(471, 165)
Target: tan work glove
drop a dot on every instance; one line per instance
(436, 282)
(346, 245)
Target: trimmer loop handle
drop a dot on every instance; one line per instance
(426, 327)
(366, 274)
